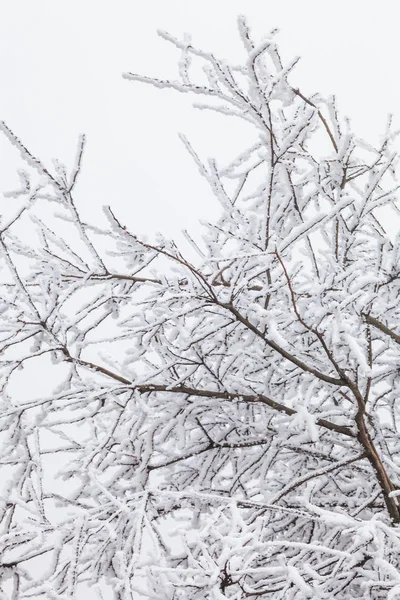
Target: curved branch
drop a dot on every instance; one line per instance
(290, 357)
(182, 389)
(383, 328)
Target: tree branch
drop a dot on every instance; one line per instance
(383, 328)
(318, 473)
(290, 357)
(182, 389)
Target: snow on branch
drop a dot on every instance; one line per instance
(222, 428)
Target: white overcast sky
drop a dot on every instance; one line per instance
(60, 72)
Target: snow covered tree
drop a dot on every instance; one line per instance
(225, 427)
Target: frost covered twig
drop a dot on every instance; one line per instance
(227, 428)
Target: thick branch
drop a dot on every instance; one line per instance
(290, 357)
(379, 325)
(182, 389)
(375, 460)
